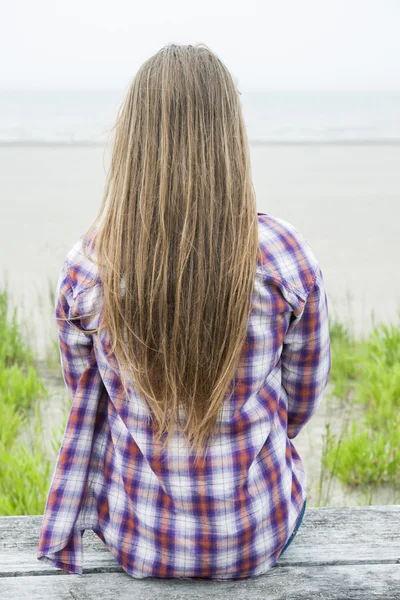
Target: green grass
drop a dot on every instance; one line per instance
(24, 469)
(13, 349)
(366, 373)
(20, 384)
(347, 354)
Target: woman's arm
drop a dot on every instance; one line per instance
(75, 346)
(306, 358)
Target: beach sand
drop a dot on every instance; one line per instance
(345, 199)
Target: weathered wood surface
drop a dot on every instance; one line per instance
(287, 583)
(338, 554)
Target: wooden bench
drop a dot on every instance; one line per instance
(338, 553)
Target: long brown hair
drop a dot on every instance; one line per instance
(178, 226)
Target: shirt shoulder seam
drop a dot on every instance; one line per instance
(292, 287)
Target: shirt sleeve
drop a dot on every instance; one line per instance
(60, 541)
(75, 346)
(306, 358)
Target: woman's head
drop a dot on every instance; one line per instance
(178, 225)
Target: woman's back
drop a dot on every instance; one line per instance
(158, 511)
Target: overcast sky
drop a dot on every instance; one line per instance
(267, 44)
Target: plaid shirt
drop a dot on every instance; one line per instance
(163, 516)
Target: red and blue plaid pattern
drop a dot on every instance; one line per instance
(159, 514)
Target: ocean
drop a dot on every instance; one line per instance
(86, 116)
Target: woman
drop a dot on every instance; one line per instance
(194, 344)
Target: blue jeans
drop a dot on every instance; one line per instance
(296, 527)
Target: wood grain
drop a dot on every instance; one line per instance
(338, 553)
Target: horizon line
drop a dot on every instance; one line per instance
(240, 89)
(252, 142)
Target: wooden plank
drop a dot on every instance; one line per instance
(340, 582)
(327, 536)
